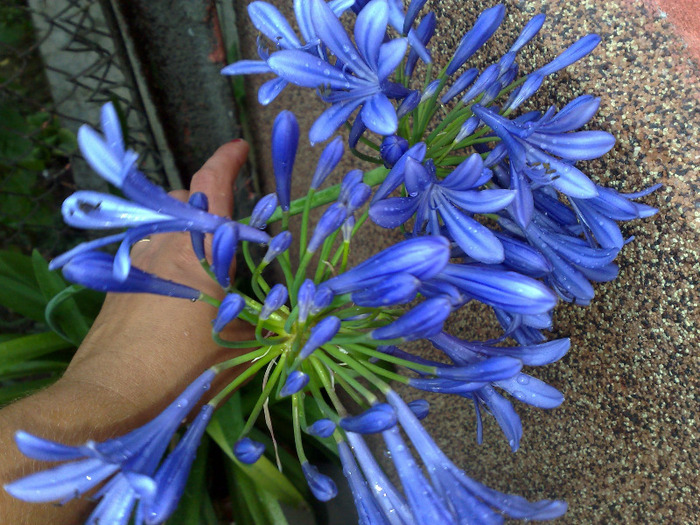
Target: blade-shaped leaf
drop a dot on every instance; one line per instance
(65, 316)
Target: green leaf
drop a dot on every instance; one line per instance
(22, 299)
(18, 267)
(263, 473)
(9, 393)
(64, 315)
(29, 347)
(33, 368)
(190, 507)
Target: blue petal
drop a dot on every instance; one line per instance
(419, 322)
(509, 291)
(505, 415)
(574, 52)
(390, 56)
(417, 178)
(111, 127)
(425, 503)
(62, 259)
(414, 8)
(246, 67)
(579, 252)
(605, 230)
(485, 80)
(370, 28)
(332, 33)
(331, 119)
(466, 175)
(581, 145)
(572, 116)
(484, 201)
(422, 257)
(532, 391)
(285, 139)
(269, 21)
(395, 176)
(379, 115)
(568, 179)
(66, 481)
(94, 270)
(104, 160)
(528, 32)
(329, 159)
(492, 369)
(393, 212)
(462, 83)
(322, 487)
(116, 504)
(474, 238)
(483, 28)
(37, 448)
(367, 508)
(307, 70)
(270, 89)
(223, 248)
(93, 210)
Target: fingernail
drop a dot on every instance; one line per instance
(236, 140)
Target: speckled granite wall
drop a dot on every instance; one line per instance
(624, 446)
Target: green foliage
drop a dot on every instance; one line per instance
(62, 315)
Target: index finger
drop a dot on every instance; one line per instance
(215, 179)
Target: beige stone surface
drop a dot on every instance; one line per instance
(623, 448)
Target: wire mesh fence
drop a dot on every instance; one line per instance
(60, 60)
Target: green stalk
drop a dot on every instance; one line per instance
(272, 381)
(328, 195)
(305, 222)
(245, 375)
(341, 372)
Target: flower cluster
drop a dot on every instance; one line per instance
(494, 209)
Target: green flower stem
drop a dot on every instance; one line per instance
(366, 158)
(357, 226)
(345, 374)
(328, 195)
(260, 286)
(455, 113)
(318, 398)
(241, 359)
(245, 375)
(305, 222)
(364, 139)
(247, 256)
(350, 391)
(346, 254)
(297, 414)
(364, 370)
(269, 386)
(325, 253)
(209, 300)
(299, 277)
(392, 359)
(327, 385)
(284, 261)
(234, 344)
(207, 268)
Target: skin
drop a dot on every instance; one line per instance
(141, 352)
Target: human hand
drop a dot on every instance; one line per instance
(144, 349)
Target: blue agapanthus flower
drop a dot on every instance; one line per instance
(147, 210)
(131, 461)
(269, 21)
(452, 200)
